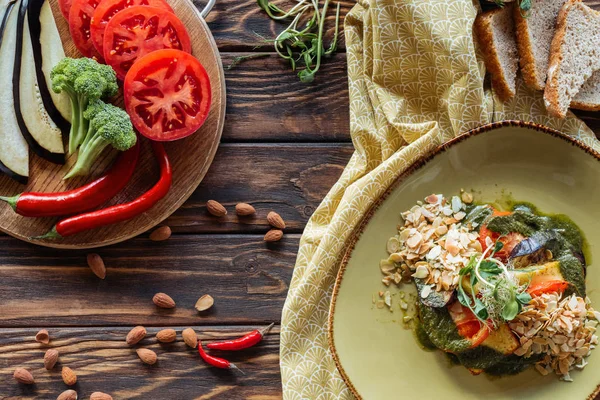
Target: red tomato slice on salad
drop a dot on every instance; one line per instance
(136, 31)
(468, 325)
(80, 16)
(167, 95)
(547, 287)
(509, 241)
(108, 8)
(65, 7)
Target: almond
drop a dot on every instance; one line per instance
(160, 234)
(100, 396)
(274, 235)
(163, 300)
(216, 208)
(42, 337)
(166, 335)
(190, 338)
(135, 335)
(147, 356)
(50, 359)
(21, 375)
(205, 302)
(244, 209)
(275, 220)
(68, 376)
(96, 264)
(68, 395)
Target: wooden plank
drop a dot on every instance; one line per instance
(103, 362)
(267, 102)
(291, 179)
(47, 287)
(240, 25)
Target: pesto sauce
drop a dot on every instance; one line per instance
(441, 330)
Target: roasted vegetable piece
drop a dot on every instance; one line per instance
(84, 80)
(108, 126)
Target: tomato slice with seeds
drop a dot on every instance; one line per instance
(80, 16)
(167, 95)
(108, 8)
(539, 289)
(509, 241)
(65, 7)
(136, 31)
(467, 324)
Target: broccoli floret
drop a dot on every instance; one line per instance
(84, 80)
(108, 125)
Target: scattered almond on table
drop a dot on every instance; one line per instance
(275, 220)
(244, 209)
(50, 359)
(205, 302)
(163, 300)
(147, 356)
(42, 337)
(274, 235)
(166, 336)
(100, 396)
(135, 335)
(190, 338)
(21, 375)
(160, 234)
(69, 395)
(215, 208)
(68, 376)
(96, 264)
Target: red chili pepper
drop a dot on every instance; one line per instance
(216, 361)
(88, 197)
(246, 341)
(121, 212)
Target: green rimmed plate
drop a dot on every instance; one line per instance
(378, 357)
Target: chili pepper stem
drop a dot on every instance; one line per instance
(51, 235)
(12, 201)
(266, 330)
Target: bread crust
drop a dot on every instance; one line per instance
(485, 37)
(585, 106)
(526, 55)
(551, 92)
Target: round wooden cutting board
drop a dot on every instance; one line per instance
(190, 157)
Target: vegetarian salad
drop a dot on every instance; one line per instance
(498, 291)
(137, 46)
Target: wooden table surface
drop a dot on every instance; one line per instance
(284, 145)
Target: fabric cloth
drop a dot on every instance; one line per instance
(415, 81)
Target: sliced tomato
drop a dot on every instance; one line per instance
(80, 16)
(167, 95)
(136, 31)
(540, 288)
(468, 325)
(108, 8)
(509, 241)
(65, 7)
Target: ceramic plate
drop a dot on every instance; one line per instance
(377, 356)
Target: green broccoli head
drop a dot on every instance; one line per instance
(84, 80)
(108, 126)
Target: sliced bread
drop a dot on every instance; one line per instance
(495, 31)
(588, 97)
(574, 55)
(534, 37)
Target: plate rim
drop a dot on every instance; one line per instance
(191, 188)
(414, 167)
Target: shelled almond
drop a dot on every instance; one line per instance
(274, 235)
(275, 220)
(100, 396)
(68, 376)
(244, 209)
(21, 375)
(96, 264)
(160, 234)
(68, 395)
(215, 208)
(190, 338)
(135, 335)
(166, 335)
(163, 300)
(50, 359)
(147, 356)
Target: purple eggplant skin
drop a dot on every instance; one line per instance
(547, 239)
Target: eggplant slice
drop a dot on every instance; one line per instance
(38, 128)
(14, 151)
(47, 52)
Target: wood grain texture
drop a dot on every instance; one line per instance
(190, 157)
(240, 25)
(48, 287)
(266, 102)
(103, 362)
(291, 179)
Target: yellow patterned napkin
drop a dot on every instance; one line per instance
(415, 81)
